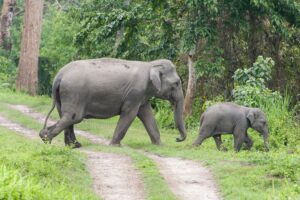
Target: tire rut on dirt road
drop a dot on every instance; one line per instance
(187, 179)
(114, 176)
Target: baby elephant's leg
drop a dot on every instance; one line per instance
(239, 138)
(205, 132)
(218, 141)
(248, 142)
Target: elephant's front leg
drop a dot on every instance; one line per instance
(146, 116)
(126, 118)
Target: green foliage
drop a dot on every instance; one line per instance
(257, 75)
(57, 47)
(210, 65)
(7, 72)
(30, 170)
(250, 84)
(163, 113)
(14, 186)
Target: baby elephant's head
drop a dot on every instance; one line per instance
(258, 122)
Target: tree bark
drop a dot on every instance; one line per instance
(7, 14)
(27, 79)
(254, 41)
(280, 79)
(120, 33)
(191, 87)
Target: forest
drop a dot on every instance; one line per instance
(246, 52)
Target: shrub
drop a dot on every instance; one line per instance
(250, 84)
(7, 72)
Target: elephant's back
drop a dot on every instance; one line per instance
(226, 110)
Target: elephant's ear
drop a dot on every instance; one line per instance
(155, 76)
(251, 117)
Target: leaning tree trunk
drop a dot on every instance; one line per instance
(7, 14)
(191, 87)
(27, 79)
(120, 32)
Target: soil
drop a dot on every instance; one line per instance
(187, 179)
(114, 177)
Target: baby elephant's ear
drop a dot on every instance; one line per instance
(250, 116)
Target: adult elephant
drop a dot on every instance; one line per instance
(106, 87)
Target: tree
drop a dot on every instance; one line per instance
(191, 87)
(7, 13)
(27, 79)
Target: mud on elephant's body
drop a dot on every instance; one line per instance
(103, 88)
(225, 118)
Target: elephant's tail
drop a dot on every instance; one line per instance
(55, 97)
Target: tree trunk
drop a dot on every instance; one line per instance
(191, 87)
(279, 66)
(27, 79)
(120, 33)
(7, 13)
(254, 41)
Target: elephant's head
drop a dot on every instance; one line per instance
(258, 122)
(167, 85)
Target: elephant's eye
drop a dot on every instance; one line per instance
(177, 83)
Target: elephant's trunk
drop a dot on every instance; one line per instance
(178, 116)
(266, 139)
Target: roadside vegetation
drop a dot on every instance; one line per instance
(245, 52)
(31, 170)
(254, 174)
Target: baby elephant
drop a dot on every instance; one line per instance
(228, 117)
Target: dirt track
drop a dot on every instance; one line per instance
(187, 179)
(114, 176)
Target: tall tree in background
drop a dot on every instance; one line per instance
(27, 79)
(7, 14)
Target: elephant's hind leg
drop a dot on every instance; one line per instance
(70, 138)
(205, 132)
(249, 142)
(218, 141)
(62, 124)
(69, 134)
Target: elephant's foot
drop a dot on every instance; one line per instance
(115, 144)
(195, 144)
(76, 144)
(73, 144)
(224, 149)
(158, 143)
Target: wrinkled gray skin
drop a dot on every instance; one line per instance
(106, 87)
(226, 118)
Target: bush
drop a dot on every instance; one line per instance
(14, 186)
(163, 113)
(7, 72)
(250, 84)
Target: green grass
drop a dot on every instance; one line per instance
(245, 175)
(29, 170)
